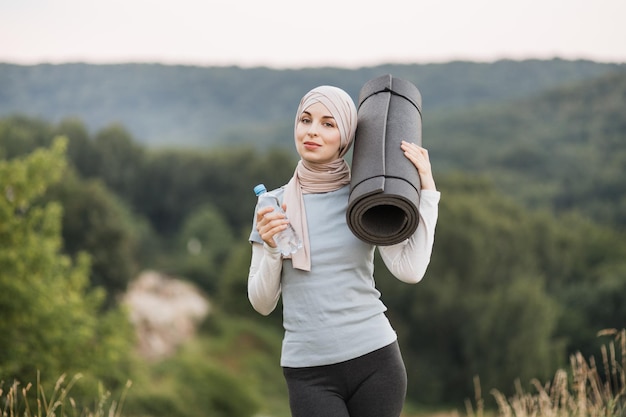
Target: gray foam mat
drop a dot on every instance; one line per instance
(385, 186)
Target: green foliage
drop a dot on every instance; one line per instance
(232, 297)
(155, 193)
(562, 150)
(81, 152)
(192, 388)
(95, 221)
(592, 264)
(581, 390)
(175, 183)
(235, 282)
(507, 294)
(250, 349)
(482, 300)
(203, 245)
(48, 313)
(119, 160)
(20, 135)
(231, 369)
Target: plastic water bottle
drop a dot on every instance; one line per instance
(287, 240)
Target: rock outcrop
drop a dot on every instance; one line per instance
(165, 312)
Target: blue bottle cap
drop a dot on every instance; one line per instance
(259, 189)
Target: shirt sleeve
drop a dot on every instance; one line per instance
(408, 260)
(264, 278)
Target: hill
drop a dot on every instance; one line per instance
(204, 106)
(564, 147)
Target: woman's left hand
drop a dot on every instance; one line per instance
(419, 157)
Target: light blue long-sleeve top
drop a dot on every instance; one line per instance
(333, 313)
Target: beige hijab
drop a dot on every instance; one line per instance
(310, 177)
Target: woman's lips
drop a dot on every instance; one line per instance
(311, 145)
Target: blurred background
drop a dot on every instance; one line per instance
(132, 134)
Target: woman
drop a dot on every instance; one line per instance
(340, 355)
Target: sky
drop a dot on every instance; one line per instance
(297, 34)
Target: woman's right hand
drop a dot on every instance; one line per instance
(269, 222)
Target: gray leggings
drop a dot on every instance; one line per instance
(373, 385)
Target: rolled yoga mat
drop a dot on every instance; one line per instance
(383, 208)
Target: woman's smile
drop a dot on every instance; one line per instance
(311, 145)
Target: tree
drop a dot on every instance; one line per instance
(96, 221)
(20, 135)
(482, 308)
(119, 160)
(81, 151)
(48, 313)
(203, 244)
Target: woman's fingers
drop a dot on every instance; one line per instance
(420, 159)
(269, 223)
(416, 154)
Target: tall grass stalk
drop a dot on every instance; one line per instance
(582, 392)
(19, 401)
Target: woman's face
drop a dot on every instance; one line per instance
(317, 135)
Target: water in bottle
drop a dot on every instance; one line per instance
(287, 240)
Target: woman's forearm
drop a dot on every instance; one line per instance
(264, 278)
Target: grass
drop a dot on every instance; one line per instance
(21, 401)
(586, 389)
(589, 389)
